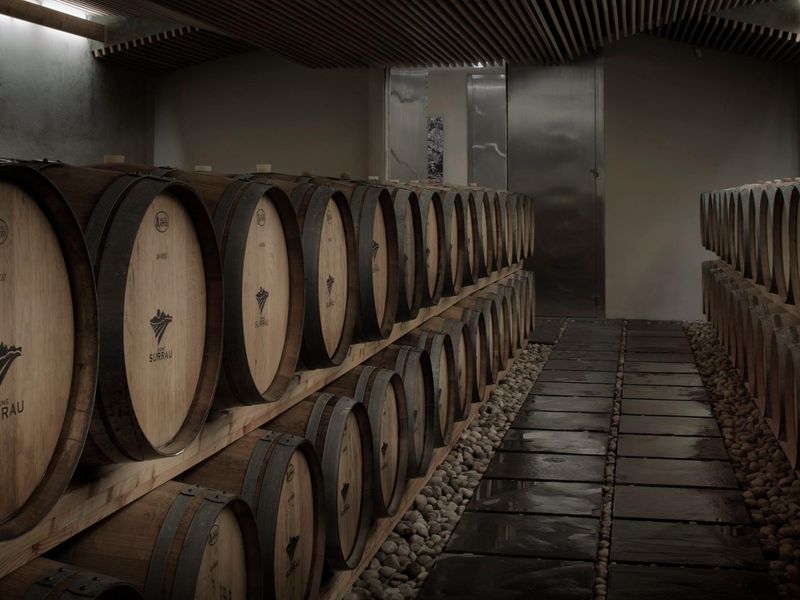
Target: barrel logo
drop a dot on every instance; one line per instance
(159, 324)
(161, 221)
(3, 232)
(8, 354)
(344, 492)
(261, 217)
(329, 283)
(375, 248)
(291, 547)
(261, 298)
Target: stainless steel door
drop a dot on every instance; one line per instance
(486, 107)
(555, 153)
(408, 122)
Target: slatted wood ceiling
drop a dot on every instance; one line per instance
(424, 33)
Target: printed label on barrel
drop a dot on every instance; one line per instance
(3, 232)
(261, 298)
(162, 221)
(8, 407)
(159, 323)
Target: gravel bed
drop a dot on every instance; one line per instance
(770, 487)
(401, 566)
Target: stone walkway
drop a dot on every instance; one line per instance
(612, 483)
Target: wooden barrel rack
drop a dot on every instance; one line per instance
(355, 417)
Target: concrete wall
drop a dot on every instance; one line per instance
(447, 98)
(676, 125)
(57, 102)
(259, 108)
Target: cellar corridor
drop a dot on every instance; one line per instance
(613, 481)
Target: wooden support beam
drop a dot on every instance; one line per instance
(54, 19)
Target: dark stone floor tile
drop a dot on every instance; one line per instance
(662, 357)
(680, 504)
(540, 536)
(561, 421)
(560, 442)
(579, 364)
(545, 336)
(658, 345)
(664, 392)
(596, 390)
(547, 467)
(559, 354)
(659, 367)
(655, 333)
(477, 577)
(687, 544)
(653, 325)
(674, 408)
(662, 446)
(644, 582)
(569, 404)
(588, 346)
(652, 425)
(668, 379)
(577, 376)
(680, 473)
(524, 496)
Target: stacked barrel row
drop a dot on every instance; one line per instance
(304, 496)
(293, 269)
(749, 294)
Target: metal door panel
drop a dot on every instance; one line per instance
(408, 107)
(555, 153)
(486, 125)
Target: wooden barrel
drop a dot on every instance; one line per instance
(488, 311)
(486, 232)
(530, 225)
(177, 541)
(520, 284)
(262, 261)
(503, 323)
(331, 269)
(454, 219)
(765, 237)
(280, 477)
(416, 372)
(440, 348)
(479, 339)
(500, 229)
(376, 235)
(516, 319)
(433, 243)
(465, 360)
(44, 579)
(530, 280)
(339, 428)
(383, 393)
(471, 237)
(159, 295)
(509, 209)
(48, 346)
(411, 255)
(520, 231)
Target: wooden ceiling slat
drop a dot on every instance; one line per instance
(430, 33)
(539, 50)
(559, 30)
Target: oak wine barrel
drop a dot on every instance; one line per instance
(280, 477)
(530, 226)
(516, 319)
(411, 254)
(500, 302)
(465, 360)
(508, 209)
(44, 579)
(476, 330)
(177, 541)
(454, 229)
(433, 243)
(160, 306)
(414, 367)
(262, 261)
(383, 393)
(377, 246)
(440, 349)
(48, 346)
(521, 229)
(339, 428)
(499, 219)
(486, 232)
(331, 269)
(530, 282)
(489, 309)
(471, 238)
